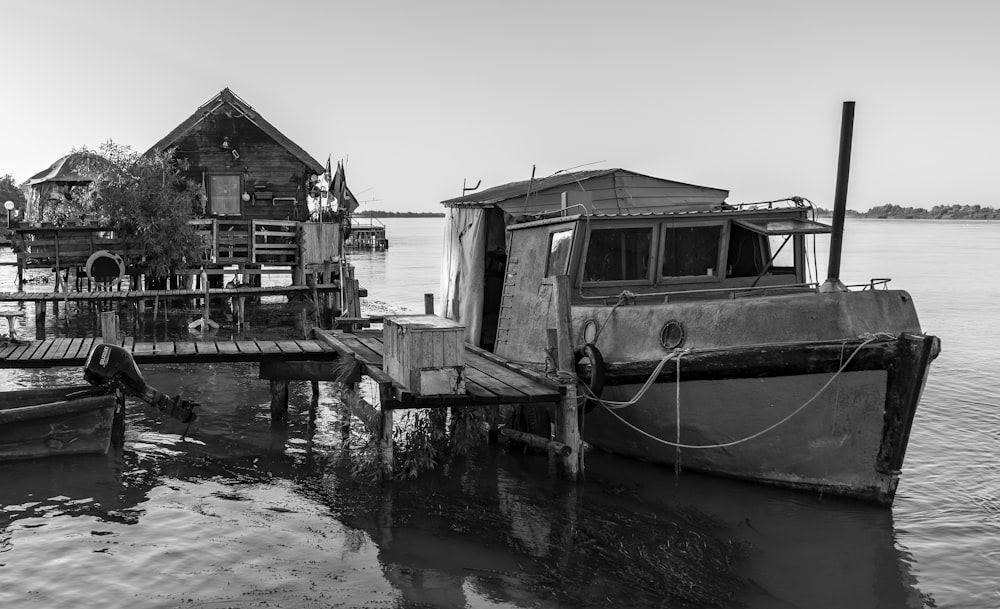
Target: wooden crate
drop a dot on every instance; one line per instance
(425, 354)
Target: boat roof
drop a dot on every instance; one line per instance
(514, 190)
(752, 216)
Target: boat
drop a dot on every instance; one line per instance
(704, 338)
(55, 421)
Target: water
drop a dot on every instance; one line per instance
(241, 514)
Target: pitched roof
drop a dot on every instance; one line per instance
(78, 167)
(513, 190)
(228, 98)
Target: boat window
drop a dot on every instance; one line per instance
(690, 251)
(784, 254)
(559, 249)
(746, 253)
(618, 254)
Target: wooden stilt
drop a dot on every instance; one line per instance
(109, 327)
(567, 421)
(385, 428)
(39, 319)
(279, 400)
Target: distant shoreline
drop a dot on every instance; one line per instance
(938, 212)
(399, 214)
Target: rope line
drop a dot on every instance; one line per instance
(869, 338)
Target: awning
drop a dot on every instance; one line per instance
(793, 226)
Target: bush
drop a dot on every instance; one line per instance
(148, 202)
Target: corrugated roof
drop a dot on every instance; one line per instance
(74, 167)
(227, 97)
(496, 194)
(513, 190)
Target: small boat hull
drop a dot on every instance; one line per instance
(792, 416)
(43, 423)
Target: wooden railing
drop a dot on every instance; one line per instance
(223, 242)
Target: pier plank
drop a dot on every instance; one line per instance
(144, 349)
(184, 348)
(58, 349)
(289, 346)
(6, 349)
(206, 347)
(33, 349)
(501, 389)
(227, 347)
(309, 346)
(268, 346)
(532, 389)
(366, 353)
(248, 347)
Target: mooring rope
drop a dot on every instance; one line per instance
(611, 406)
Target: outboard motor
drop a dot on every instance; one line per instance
(111, 367)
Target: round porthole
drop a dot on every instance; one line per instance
(589, 331)
(672, 334)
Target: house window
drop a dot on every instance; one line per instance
(618, 254)
(224, 194)
(559, 249)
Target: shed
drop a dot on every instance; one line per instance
(475, 241)
(248, 169)
(50, 191)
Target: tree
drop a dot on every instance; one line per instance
(148, 202)
(10, 192)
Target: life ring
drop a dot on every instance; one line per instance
(596, 384)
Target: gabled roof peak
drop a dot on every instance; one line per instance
(226, 97)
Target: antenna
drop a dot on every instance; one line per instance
(466, 189)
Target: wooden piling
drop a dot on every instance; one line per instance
(279, 400)
(109, 327)
(385, 428)
(567, 421)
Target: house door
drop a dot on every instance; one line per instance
(224, 194)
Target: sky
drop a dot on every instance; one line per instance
(418, 98)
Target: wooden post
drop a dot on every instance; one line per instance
(279, 400)
(204, 284)
(317, 308)
(568, 424)
(135, 283)
(438, 416)
(429, 304)
(39, 319)
(109, 327)
(385, 428)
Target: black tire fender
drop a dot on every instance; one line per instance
(596, 384)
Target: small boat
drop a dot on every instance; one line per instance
(704, 337)
(55, 421)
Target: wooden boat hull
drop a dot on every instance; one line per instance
(771, 414)
(43, 423)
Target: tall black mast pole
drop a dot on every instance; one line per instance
(833, 283)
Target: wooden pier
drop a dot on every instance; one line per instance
(133, 295)
(73, 351)
(489, 379)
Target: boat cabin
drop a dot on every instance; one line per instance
(617, 235)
